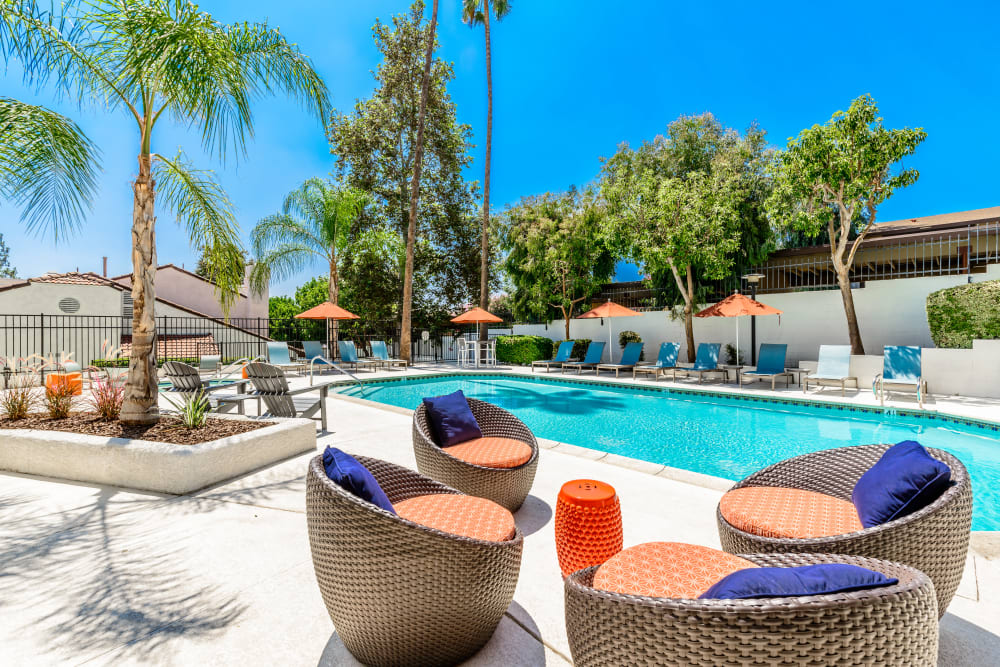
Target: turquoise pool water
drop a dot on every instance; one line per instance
(713, 435)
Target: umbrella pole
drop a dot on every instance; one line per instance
(611, 347)
(737, 361)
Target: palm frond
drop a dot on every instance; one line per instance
(280, 262)
(274, 230)
(206, 213)
(48, 167)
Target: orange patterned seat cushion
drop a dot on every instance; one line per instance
(468, 516)
(666, 570)
(771, 511)
(492, 452)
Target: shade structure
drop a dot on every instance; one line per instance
(609, 309)
(476, 316)
(327, 311)
(738, 305)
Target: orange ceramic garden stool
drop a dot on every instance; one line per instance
(588, 524)
(54, 381)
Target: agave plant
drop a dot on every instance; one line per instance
(193, 409)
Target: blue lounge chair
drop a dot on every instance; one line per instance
(770, 365)
(381, 354)
(706, 361)
(563, 355)
(666, 360)
(630, 357)
(349, 355)
(590, 360)
(901, 369)
(278, 355)
(834, 368)
(210, 363)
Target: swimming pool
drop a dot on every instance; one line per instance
(711, 434)
(218, 382)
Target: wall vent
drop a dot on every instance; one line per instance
(69, 305)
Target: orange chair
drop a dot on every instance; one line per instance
(588, 524)
(55, 381)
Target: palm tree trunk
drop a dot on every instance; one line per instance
(141, 391)
(411, 226)
(484, 269)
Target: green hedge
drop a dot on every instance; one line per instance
(523, 349)
(958, 315)
(123, 362)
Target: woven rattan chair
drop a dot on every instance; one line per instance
(935, 540)
(890, 625)
(504, 486)
(400, 593)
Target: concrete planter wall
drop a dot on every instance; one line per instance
(152, 466)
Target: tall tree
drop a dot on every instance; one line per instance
(315, 223)
(557, 257)
(677, 204)
(833, 177)
(406, 323)
(375, 148)
(6, 270)
(148, 58)
(477, 12)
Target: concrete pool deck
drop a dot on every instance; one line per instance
(103, 575)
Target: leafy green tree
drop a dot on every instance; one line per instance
(375, 149)
(557, 257)
(6, 270)
(678, 204)
(281, 308)
(477, 12)
(833, 177)
(315, 224)
(150, 59)
(418, 165)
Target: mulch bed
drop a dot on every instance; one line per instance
(168, 429)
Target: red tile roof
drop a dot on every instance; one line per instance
(171, 346)
(73, 278)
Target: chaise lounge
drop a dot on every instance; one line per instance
(563, 355)
(666, 360)
(770, 366)
(705, 362)
(630, 357)
(593, 357)
(901, 370)
(834, 368)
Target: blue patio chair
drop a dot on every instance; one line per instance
(590, 360)
(278, 355)
(381, 354)
(630, 357)
(349, 355)
(901, 370)
(666, 360)
(563, 355)
(834, 368)
(210, 363)
(770, 365)
(705, 362)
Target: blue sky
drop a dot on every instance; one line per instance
(571, 82)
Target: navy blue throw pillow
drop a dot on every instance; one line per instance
(776, 582)
(906, 479)
(346, 471)
(451, 420)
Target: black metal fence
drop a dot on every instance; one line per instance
(33, 340)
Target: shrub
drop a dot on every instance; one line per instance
(958, 315)
(19, 398)
(523, 349)
(59, 399)
(193, 409)
(580, 346)
(107, 395)
(731, 355)
(626, 337)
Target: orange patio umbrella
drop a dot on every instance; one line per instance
(327, 311)
(738, 305)
(477, 316)
(609, 310)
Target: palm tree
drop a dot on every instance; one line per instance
(418, 162)
(314, 224)
(148, 59)
(475, 12)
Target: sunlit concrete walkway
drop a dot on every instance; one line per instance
(99, 575)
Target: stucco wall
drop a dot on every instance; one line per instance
(890, 312)
(192, 292)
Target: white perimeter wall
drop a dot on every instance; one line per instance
(890, 312)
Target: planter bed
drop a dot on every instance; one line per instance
(165, 467)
